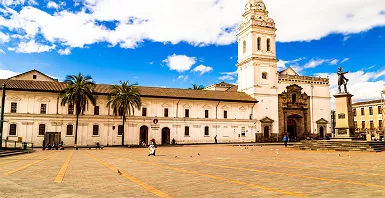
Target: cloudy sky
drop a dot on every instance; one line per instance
(175, 43)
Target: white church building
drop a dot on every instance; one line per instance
(265, 105)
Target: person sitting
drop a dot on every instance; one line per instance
(97, 145)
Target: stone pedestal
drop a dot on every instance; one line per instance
(344, 129)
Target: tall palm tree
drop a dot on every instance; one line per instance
(123, 99)
(197, 87)
(79, 91)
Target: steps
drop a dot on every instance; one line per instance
(7, 153)
(341, 146)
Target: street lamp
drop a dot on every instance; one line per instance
(2, 116)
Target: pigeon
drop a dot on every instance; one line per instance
(199, 154)
(120, 173)
(176, 156)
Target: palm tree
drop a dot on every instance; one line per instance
(196, 87)
(123, 99)
(79, 91)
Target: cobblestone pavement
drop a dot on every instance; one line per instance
(193, 171)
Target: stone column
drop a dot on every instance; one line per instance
(305, 122)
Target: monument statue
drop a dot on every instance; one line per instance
(342, 80)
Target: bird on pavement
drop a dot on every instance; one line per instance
(120, 173)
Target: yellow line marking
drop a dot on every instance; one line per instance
(26, 166)
(60, 176)
(300, 176)
(133, 179)
(227, 180)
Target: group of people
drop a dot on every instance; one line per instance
(53, 146)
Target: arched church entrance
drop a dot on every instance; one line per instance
(143, 135)
(292, 129)
(266, 132)
(321, 132)
(166, 135)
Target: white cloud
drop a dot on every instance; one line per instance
(2, 51)
(183, 77)
(344, 60)
(228, 76)
(198, 22)
(314, 63)
(4, 37)
(282, 64)
(53, 5)
(202, 69)
(4, 74)
(66, 51)
(32, 47)
(17, 2)
(180, 63)
(334, 62)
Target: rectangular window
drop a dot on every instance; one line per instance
(120, 130)
(166, 112)
(70, 129)
(379, 110)
(380, 125)
(12, 129)
(206, 113)
(13, 107)
(371, 125)
(362, 111)
(34, 76)
(96, 110)
(187, 113)
(243, 131)
(43, 109)
(41, 129)
(354, 112)
(355, 124)
(144, 111)
(70, 109)
(186, 131)
(363, 125)
(370, 110)
(95, 131)
(207, 131)
(225, 114)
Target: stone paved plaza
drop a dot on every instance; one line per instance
(218, 171)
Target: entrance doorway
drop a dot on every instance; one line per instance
(143, 135)
(292, 129)
(266, 132)
(321, 132)
(52, 137)
(166, 135)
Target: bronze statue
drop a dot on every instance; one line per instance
(342, 80)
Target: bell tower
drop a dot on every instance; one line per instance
(257, 63)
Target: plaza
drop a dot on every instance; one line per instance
(193, 171)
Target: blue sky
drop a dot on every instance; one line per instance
(116, 40)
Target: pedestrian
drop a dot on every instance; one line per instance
(215, 139)
(43, 145)
(285, 140)
(151, 149)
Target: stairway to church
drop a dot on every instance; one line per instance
(7, 153)
(341, 146)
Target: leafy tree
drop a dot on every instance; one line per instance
(123, 99)
(197, 87)
(78, 93)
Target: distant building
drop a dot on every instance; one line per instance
(368, 118)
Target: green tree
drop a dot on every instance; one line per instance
(78, 93)
(123, 99)
(197, 87)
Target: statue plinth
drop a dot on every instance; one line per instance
(344, 129)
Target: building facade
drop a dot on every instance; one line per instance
(265, 105)
(368, 119)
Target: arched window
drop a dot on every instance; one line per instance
(268, 45)
(207, 131)
(259, 43)
(244, 46)
(293, 98)
(264, 75)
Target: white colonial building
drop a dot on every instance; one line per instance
(265, 105)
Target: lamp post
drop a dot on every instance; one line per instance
(2, 116)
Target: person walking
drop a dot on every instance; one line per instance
(215, 139)
(285, 140)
